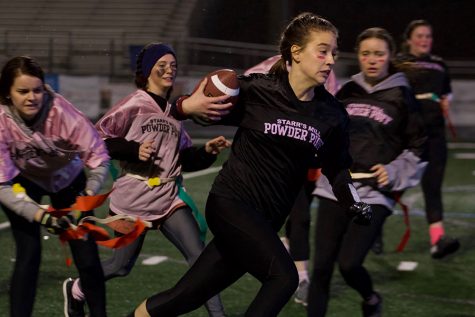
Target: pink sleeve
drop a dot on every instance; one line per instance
(117, 121)
(332, 84)
(78, 130)
(8, 170)
(95, 148)
(263, 67)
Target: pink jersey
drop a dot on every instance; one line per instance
(138, 118)
(55, 154)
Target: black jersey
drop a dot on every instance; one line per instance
(429, 79)
(385, 120)
(385, 128)
(279, 138)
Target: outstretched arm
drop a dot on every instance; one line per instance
(194, 159)
(202, 107)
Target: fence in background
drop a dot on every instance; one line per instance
(106, 53)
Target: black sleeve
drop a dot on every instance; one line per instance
(176, 110)
(447, 88)
(194, 159)
(343, 93)
(414, 132)
(121, 149)
(232, 119)
(336, 162)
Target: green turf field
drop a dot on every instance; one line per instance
(436, 288)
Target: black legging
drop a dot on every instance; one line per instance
(182, 230)
(244, 241)
(337, 239)
(433, 177)
(297, 227)
(27, 237)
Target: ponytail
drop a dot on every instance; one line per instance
(279, 68)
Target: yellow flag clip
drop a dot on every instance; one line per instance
(19, 190)
(154, 181)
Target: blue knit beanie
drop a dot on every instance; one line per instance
(153, 53)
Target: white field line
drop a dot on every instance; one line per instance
(450, 145)
(439, 299)
(201, 173)
(409, 201)
(465, 156)
(461, 145)
(6, 224)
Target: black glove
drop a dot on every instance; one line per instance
(361, 213)
(53, 224)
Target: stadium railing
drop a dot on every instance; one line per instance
(106, 52)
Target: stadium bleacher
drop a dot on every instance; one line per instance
(89, 36)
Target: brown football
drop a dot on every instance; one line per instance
(223, 82)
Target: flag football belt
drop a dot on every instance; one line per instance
(428, 96)
(361, 175)
(152, 181)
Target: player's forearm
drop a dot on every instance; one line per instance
(16, 203)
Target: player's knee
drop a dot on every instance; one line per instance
(324, 274)
(286, 275)
(348, 268)
(30, 258)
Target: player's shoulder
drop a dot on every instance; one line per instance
(3, 109)
(321, 93)
(136, 99)
(436, 58)
(257, 78)
(439, 60)
(259, 82)
(332, 105)
(347, 88)
(403, 56)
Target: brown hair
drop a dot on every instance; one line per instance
(408, 32)
(297, 32)
(13, 68)
(378, 33)
(381, 34)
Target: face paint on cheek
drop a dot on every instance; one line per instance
(418, 42)
(364, 59)
(381, 60)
